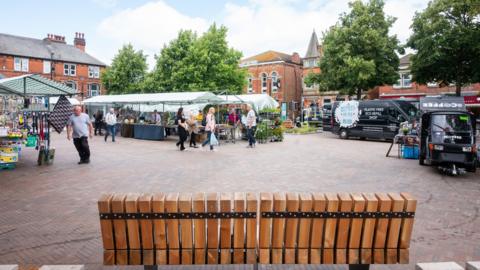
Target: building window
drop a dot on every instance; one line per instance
(69, 69)
(71, 84)
(250, 84)
(93, 90)
(47, 67)
(20, 64)
(93, 72)
(432, 84)
(274, 82)
(404, 81)
(264, 82)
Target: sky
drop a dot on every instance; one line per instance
(254, 26)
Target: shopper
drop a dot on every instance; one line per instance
(251, 126)
(193, 129)
(80, 128)
(111, 121)
(233, 120)
(209, 127)
(182, 129)
(98, 122)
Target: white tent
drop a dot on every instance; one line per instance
(258, 101)
(172, 108)
(179, 98)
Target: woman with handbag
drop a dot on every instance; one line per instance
(182, 129)
(210, 128)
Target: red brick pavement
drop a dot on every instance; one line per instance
(49, 215)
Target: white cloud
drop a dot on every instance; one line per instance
(148, 27)
(254, 27)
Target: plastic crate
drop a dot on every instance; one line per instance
(410, 152)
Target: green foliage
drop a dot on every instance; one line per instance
(191, 63)
(446, 36)
(270, 110)
(359, 54)
(127, 72)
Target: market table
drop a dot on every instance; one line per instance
(148, 132)
(126, 130)
(401, 141)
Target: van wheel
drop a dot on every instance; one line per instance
(343, 134)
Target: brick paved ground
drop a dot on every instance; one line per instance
(48, 215)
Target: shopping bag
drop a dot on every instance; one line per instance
(213, 140)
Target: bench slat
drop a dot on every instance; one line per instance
(239, 229)
(384, 205)
(343, 229)
(160, 233)
(120, 230)
(319, 205)
(304, 228)
(278, 227)
(185, 206)
(264, 244)
(199, 229)
(134, 253)
(106, 227)
(212, 229)
(171, 206)
(291, 228)
(251, 241)
(225, 229)
(146, 229)
(330, 229)
(394, 229)
(356, 229)
(368, 229)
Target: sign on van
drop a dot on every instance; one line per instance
(347, 114)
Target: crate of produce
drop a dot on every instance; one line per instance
(8, 158)
(410, 152)
(9, 149)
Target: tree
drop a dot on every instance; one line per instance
(191, 63)
(359, 54)
(446, 36)
(127, 72)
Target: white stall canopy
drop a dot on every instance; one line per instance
(178, 98)
(258, 101)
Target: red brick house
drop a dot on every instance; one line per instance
(278, 75)
(52, 58)
(406, 88)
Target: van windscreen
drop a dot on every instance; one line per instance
(408, 108)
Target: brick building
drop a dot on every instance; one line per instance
(406, 88)
(52, 58)
(311, 95)
(278, 75)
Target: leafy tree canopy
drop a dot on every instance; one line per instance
(446, 36)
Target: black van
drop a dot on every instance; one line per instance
(376, 119)
(327, 117)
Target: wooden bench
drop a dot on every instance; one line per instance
(243, 228)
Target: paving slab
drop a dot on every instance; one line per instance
(8, 267)
(438, 266)
(62, 267)
(473, 265)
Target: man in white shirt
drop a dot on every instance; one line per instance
(156, 118)
(251, 126)
(111, 120)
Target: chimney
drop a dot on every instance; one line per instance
(55, 38)
(296, 58)
(79, 41)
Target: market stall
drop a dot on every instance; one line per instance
(25, 117)
(136, 110)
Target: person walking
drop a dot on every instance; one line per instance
(98, 122)
(182, 129)
(251, 126)
(193, 129)
(111, 121)
(80, 128)
(209, 127)
(233, 120)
